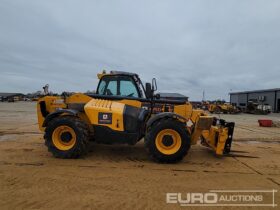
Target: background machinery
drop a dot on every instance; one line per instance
(255, 107)
(219, 107)
(123, 111)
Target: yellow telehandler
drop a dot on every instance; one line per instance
(123, 111)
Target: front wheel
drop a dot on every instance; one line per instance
(67, 137)
(167, 140)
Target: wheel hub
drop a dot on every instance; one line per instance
(167, 140)
(66, 137)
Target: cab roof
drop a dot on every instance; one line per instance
(100, 75)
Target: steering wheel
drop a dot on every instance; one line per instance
(130, 95)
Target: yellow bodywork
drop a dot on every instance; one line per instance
(131, 102)
(54, 103)
(96, 106)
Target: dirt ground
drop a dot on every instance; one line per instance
(123, 177)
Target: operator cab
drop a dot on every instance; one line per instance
(122, 84)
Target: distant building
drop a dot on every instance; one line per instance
(267, 97)
(11, 97)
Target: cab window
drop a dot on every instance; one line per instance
(118, 86)
(128, 89)
(101, 88)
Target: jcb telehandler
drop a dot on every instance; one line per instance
(124, 111)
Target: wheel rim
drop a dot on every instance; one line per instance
(64, 137)
(168, 141)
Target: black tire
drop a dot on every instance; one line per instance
(81, 130)
(217, 110)
(152, 132)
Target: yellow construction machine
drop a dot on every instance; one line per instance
(124, 111)
(225, 108)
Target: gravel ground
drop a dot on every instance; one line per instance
(123, 177)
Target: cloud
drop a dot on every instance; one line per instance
(189, 46)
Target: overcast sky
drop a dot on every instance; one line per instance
(189, 46)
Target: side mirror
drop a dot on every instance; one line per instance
(154, 84)
(149, 91)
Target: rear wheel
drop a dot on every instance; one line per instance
(167, 140)
(67, 137)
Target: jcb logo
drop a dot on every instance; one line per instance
(104, 118)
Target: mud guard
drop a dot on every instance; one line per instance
(57, 113)
(165, 115)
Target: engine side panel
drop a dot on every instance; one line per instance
(106, 113)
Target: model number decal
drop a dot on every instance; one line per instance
(158, 108)
(104, 118)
